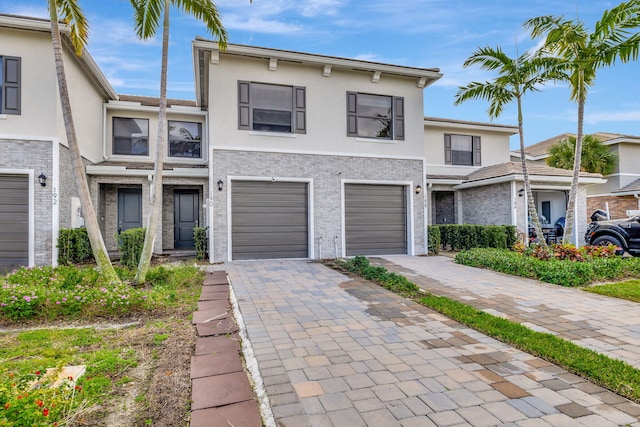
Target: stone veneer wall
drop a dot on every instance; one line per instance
(618, 205)
(327, 173)
(36, 156)
(168, 238)
(488, 205)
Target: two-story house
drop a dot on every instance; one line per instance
(472, 178)
(312, 156)
(621, 192)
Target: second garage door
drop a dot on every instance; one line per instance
(269, 220)
(375, 219)
(14, 221)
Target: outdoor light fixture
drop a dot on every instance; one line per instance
(42, 179)
(220, 184)
(521, 192)
(418, 189)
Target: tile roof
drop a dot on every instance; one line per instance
(155, 102)
(632, 187)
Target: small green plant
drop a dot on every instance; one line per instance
(459, 237)
(392, 281)
(131, 244)
(160, 338)
(201, 242)
(74, 246)
(434, 239)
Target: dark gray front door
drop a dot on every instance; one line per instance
(185, 217)
(375, 219)
(269, 220)
(129, 208)
(445, 207)
(14, 221)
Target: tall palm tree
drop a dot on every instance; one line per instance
(147, 14)
(71, 13)
(614, 37)
(515, 78)
(596, 157)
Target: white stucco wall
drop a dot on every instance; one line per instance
(325, 112)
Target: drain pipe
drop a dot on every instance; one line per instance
(637, 196)
(335, 244)
(320, 247)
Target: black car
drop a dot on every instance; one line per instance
(623, 233)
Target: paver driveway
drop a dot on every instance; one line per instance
(333, 351)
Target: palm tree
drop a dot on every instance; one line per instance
(516, 78)
(72, 14)
(614, 37)
(596, 157)
(147, 15)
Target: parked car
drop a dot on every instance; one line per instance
(623, 233)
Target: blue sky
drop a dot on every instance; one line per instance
(418, 33)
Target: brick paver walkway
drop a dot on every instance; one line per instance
(333, 351)
(604, 324)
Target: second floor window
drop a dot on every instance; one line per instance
(10, 82)
(130, 136)
(185, 139)
(271, 108)
(375, 116)
(462, 150)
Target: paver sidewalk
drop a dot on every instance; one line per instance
(335, 351)
(604, 324)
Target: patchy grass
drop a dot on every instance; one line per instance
(613, 374)
(629, 290)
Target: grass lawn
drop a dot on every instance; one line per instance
(629, 290)
(138, 372)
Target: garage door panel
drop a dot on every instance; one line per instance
(375, 219)
(269, 220)
(14, 221)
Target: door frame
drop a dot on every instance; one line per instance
(310, 213)
(32, 224)
(118, 190)
(408, 186)
(196, 208)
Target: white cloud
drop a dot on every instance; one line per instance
(312, 8)
(260, 25)
(34, 11)
(612, 116)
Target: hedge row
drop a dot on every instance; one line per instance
(461, 237)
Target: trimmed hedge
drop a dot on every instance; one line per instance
(131, 243)
(389, 280)
(201, 242)
(435, 243)
(74, 246)
(559, 272)
(461, 237)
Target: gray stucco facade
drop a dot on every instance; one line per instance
(326, 175)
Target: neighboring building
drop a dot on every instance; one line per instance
(621, 191)
(472, 179)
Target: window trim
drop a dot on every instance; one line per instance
(397, 117)
(113, 137)
(298, 108)
(182, 158)
(6, 85)
(476, 150)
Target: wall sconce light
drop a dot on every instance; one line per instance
(418, 189)
(42, 179)
(220, 184)
(521, 192)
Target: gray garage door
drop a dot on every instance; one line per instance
(269, 220)
(14, 221)
(375, 219)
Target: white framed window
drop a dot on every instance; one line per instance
(462, 150)
(267, 107)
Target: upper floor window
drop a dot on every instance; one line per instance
(130, 136)
(462, 150)
(10, 82)
(375, 116)
(185, 139)
(271, 108)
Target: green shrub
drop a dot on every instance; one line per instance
(434, 239)
(460, 237)
(392, 281)
(201, 242)
(74, 246)
(131, 243)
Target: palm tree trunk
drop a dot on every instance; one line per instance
(571, 204)
(98, 247)
(531, 206)
(161, 142)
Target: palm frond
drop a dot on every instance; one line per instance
(207, 12)
(147, 16)
(73, 16)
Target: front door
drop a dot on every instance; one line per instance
(129, 208)
(185, 217)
